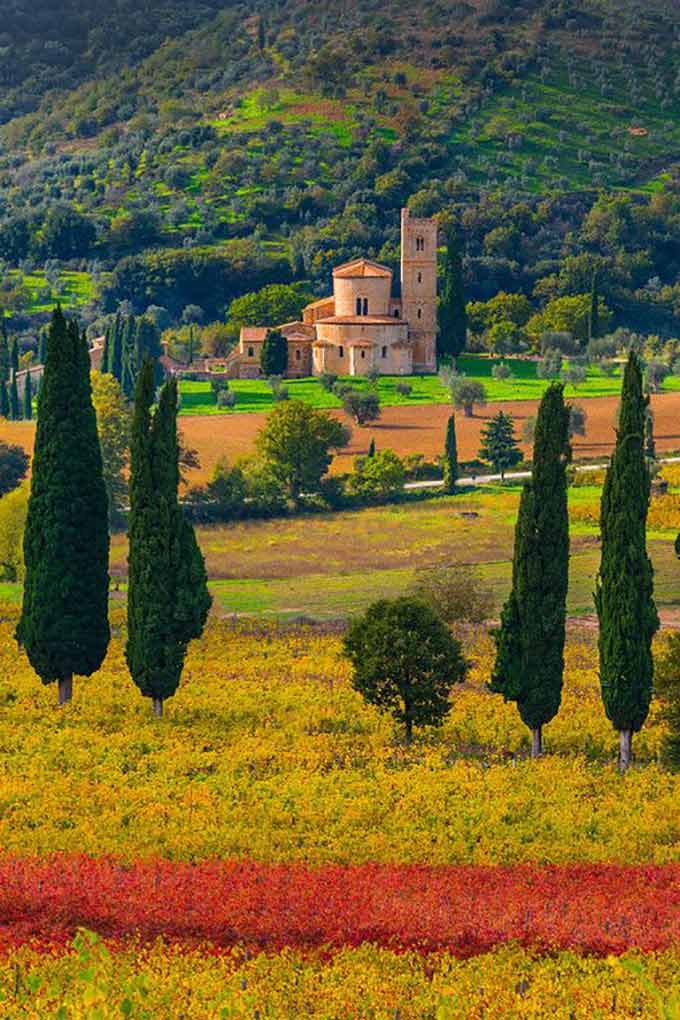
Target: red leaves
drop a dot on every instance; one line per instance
(467, 910)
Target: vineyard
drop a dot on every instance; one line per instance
(273, 849)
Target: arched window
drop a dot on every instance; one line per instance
(420, 277)
(420, 313)
(396, 313)
(420, 244)
(363, 354)
(358, 306)
(341, 352)
(297, 354)
(384, 352)
(365, 306)
(251, 352)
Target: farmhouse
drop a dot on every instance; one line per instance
(364, 325)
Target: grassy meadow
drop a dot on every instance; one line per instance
(255, 395)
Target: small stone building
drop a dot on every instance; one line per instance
(363, 326)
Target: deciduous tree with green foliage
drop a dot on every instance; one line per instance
(64, 623)
(13, 467)
(451, 456)
(296, 442)
(499, 445)
(452, 313)
(405, 661)
(168, 599)
(113, 428)
(624, 594)
(529, 664)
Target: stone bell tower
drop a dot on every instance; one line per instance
(419, 288)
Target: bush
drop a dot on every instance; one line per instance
(655, 373)
(279, 391)
(466, 393)
(550, 365)
(405, 661)
(456, 593)
(404, 389)
(226, 398)
(378, 478)
(363, 407)
(13, 467)
(341, 389)
(574, 374)
(501, 371)
(327, 381)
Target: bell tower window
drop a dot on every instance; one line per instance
(358, 306)
(420, 244)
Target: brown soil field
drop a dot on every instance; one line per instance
(418, 429)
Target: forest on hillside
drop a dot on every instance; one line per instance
(182, 156)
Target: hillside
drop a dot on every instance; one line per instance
(296, 130)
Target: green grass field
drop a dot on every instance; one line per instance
(74, 289)
(255, 394)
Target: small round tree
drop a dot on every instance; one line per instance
(465, 393)
(274, 356)
(405, 661)
(363, 407)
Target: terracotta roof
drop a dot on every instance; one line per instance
(361, 320)
(302, 328)
(254, 334)
(322, 301)
(362, 267)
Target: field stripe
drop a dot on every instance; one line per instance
(466, 910)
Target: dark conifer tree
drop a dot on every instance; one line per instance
(14, 357)
(371, 449)
(168, 599)
(115, 356)
(28, 397)
(274, 355)
(4, 400)
(594, 317)
(42, 346)
(64, 622)
(530, 642)
(5, 360)
(452, 311)
(499, 445)
(451, 456)
(14, 404)
(624, 595)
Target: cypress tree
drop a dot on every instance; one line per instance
(594, 317)
(650, 444)
(274, 354)
(116, 353)
(624, 595)
(64, 622)
(14, 357)
(42, 346)
(129, 357)
(104, 367)
(168, 600)
(499, 446)
(14, 405)
(530, 642)
(5, 362)
(371, 449)
(28, 397)
(452, 311)
(4, 400)
(451, 456)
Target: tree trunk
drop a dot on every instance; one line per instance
(467, 410)
(625, 750)
(409, 731)
(65, 691)
(158, 707)
(536, 742)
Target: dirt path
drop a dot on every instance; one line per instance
(418, 429)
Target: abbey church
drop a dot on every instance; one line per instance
(363, 326)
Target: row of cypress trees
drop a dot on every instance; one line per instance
(64, 624)
(12, 406)
(529, 665)
(128, 341)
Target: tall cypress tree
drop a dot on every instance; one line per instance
(4, 400)
(5, 361)
(64, 622)
(14, 405)
(116, 353)
(168, 600)
(530, 642)
(28, 397)
(14, 357)
(594, 317)
(451, 456)
(624, 595)
(42, 346)
(105, 363)
(452, 311)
